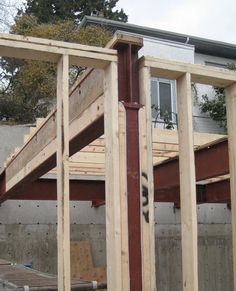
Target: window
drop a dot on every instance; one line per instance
(163, 98)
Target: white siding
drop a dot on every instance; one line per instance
(205, 124)
(168, 50)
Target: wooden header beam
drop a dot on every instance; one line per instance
(32, 48)
(199, 73)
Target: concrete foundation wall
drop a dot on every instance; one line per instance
(28, 235)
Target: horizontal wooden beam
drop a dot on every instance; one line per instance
(49, 50)
(199, 73)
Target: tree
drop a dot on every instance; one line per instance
(28, 88)
(54, 10)
(216, 107)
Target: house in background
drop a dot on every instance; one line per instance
(178, 47)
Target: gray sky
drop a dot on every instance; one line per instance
(213, 19)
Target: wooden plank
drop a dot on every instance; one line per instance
(112, 174)
(87, 91)
(200, 74)
(187, 185)
(49, 50)
(88, 157)
(120, 37)
(63, 191)
(81, 260)
(91, 114)
(123, 198)
(166, 136)
(82, 266)
(146, 178)
(230, 93)
(56, 43)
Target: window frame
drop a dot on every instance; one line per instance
(173, 97)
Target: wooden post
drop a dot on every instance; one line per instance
(123, 199)
(116, 185)
(63, 215)
(187, 184)
(146, 178)
(230, 93)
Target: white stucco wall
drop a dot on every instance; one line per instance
(167, 50)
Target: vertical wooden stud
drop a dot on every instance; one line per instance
(146, 178)
(230, 93)
(63, 215)
(187, 184)
(116, 192)
(123, 199)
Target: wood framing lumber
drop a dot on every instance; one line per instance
(87, 91)
(230, 97)
(146, 178)
(187, 185)
(63, 195)
(170, 137)
(199, 73)
(123, 198)
(85, 128)
(112, 174)
(125, 38)
(50, 51)
(51, 42)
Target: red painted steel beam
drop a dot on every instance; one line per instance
(94, 190)
(217, 192)
(211, 161)
(2, 183)
(46, 189)
(128, 93)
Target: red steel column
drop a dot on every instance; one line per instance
(128, 92)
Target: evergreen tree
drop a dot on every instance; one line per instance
(75, 10)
